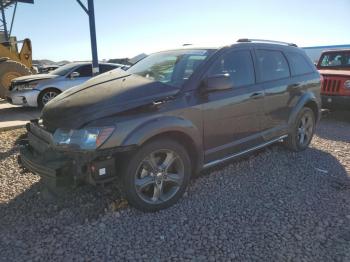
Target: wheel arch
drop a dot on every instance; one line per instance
(178, 129)
(46, 89)
(307, 100)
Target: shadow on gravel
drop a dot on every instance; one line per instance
(12, 150)
(283, 203)
(325, 167)
(335, 126)
(36, 206)
(88, 203)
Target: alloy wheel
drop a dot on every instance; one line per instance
(48, 97)
(159, 176)
(305, 129)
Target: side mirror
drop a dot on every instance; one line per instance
(74, 75)
(217, 83)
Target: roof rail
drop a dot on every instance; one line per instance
(247, 40)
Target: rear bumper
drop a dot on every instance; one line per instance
(336, 102)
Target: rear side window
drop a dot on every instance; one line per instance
(272, 65)
(298, 64)
(106, 68)
(238, 64)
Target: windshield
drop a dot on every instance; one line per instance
(63, 70)
(171, 67)
(334, 59)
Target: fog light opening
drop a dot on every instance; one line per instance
(102, 172)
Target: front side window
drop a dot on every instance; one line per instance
(238, 65)
(272, 65)
(63, 70)
(84, 71)
(335, 59)
(171, 67)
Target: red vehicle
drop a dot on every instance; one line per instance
(334, 66)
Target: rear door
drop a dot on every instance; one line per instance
(283, 75)
(231, 117)
(274, 76)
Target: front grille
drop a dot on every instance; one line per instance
(330, 86)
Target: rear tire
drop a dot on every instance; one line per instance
(9, 70)
(156, 176)
(302, 131)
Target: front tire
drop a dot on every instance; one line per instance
(157, 175)
(302, 130)
(46, 96)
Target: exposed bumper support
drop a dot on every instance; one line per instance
(66, 168)
(55, 172)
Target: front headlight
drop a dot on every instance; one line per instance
(87, 138)
(27, 86)
(347, 84)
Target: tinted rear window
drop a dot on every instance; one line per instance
(298, 64)
(272, 65)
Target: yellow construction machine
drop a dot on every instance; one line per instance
(13, 63)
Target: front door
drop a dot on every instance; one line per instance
(231, 117)
(85, 73)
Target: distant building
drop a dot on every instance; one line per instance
(314, 52)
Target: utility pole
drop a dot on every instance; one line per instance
(90, 11)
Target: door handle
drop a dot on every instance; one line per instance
(257, 95)
(294, 86)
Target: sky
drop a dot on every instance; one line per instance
(59, 29)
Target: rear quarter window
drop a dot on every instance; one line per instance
(298, 64)
(272, 65)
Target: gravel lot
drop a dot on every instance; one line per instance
(274, 205)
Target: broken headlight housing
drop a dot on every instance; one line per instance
(89, 138)
(27, 86)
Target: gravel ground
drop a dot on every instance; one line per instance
(274, 205)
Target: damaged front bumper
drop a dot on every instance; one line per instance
(65, 168)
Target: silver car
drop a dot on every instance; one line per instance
(37, 90)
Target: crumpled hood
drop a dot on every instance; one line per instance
(108, 94)
(30, 78)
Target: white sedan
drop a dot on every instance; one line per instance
(37, 90)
